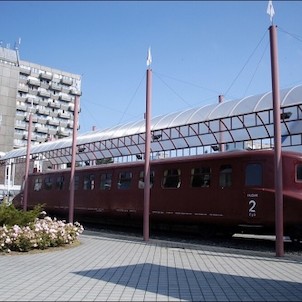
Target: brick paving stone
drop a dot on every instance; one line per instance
(124, 268)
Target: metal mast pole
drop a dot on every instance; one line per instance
(147, 156)
(25, 197)
(277, 143)
(73, 159)
(221, 144)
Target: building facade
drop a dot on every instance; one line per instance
(28, 88)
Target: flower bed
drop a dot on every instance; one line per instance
(40, 234)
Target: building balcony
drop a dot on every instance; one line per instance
(25, 71)
(34, 119)
(65, 89)
(23, 88)
(66, 81)
(62, 133)
(53, 122)
(44, 93)
(43, 102)
(32, 91)
(21, 98)
(34, 82)
(64, 106)
(18, 135)
(41, 129)
(63, 124)
(42, 121)
(54, 104)
(19, 117)
(74, 91)
(21, 107)
(44, 85)
(41, 139)
(70, 125)
(52, 131)
(53, 113)
(21, 126)
(45, 76)
(54, 96)
(64, 115)
(55, 86)
(43, 111)
(32, 100)
(65, 98)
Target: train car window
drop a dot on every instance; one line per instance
(171, 178)
(200, 177)
(76, 182)
(299, 173)
(106, 180)
(60, 182)
(48, 183)
(89, 182)
(141, 180)
(253, 175)
(225, 176)
(38, 184)
(124, 181)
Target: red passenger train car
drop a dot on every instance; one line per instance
(231, 191)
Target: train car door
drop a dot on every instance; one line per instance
(227, 194)
(253, 193)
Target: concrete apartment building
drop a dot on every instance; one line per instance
(45, 92)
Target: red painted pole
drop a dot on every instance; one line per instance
(147, 156)
(73, 159)
(25, 197)
(221, 144)
(277, 143)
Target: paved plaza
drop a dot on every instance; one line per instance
(121, 268)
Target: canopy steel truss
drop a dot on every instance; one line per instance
(245, 122)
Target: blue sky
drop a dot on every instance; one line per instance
(200, 49)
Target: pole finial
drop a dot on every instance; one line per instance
(270, 10)
(149, 57)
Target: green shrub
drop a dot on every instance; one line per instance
(10, 216)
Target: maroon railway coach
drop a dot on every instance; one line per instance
(230, 191)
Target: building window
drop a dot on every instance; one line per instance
(171, 178)
(141, 180)
(106, 179)
(60, 182)
(38, 184)
(299, 173)
(76, 182)
(200, 177)
(253, 175)
(124, 181)
(225, 176)
(48, 183)
(89, 182)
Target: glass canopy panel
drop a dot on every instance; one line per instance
(265, 103)
(201, 114)
(240, 134)
(222, 110)
(293, 97)
(182, 118)
(165, 121)
(193, 141)
(180, 143)
(244, 105)
(209, 139)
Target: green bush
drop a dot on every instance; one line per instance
(10, 216)
(23, 231)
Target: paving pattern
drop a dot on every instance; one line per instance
(120, 268)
